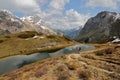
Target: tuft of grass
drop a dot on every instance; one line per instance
(7, 36)
(27, 34)
(51, 36)
(89, 57)
(105, 51)
(109, 51)
(41, 72)
(72, 65)
(84, 74)
(64, 76)
(1, 41)
(99, 53)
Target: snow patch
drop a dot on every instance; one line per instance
(117, 16)
(116, 40)
(35, 37)
(23, 18)
(29, 18)
(41, 37)
(6, 11)
(43, 27)
(114, 37)
(39, 22)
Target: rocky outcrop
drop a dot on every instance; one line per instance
(101, 28)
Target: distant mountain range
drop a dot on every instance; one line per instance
(37, 24)
(101, 28)
(12, 24)
(73, 33)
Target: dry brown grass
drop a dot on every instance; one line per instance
(87, 67)
(84, 74)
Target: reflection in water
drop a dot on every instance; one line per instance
(12, 63)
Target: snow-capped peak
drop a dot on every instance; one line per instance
(6, 11)
(33, 19)
(117, 16)
(38, 24)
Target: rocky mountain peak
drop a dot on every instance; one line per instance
(101, 27)
(12, 24)
(38, 24)
(9, 22)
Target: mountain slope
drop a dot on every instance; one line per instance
(37, 23)
(12, 24)
(101, 28)
(30, 42)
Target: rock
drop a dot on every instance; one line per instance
(101, 28)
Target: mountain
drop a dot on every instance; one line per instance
(39, 25)
(101, 28)
(73, 33)
(59, 32)
(12, 24)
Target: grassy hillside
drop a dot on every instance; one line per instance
(29, 42)
(100, 64)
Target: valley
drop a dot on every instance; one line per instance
(32, 49)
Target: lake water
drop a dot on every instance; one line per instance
(14, 62)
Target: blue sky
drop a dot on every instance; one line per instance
(61, 14)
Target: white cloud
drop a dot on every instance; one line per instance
(25, 7)
(113, 4)
(58, 4)
(72, 19)
(74, 16)
(56, 7)
(52, 14)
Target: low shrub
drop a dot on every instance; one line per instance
(50, 36)
(84, 74)
(1, 41)
(61, 68)
(109, 51)
(26, 35)
(64, 76)
(7, 36)
(100, 53)
(41, 72)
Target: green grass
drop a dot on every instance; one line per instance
(53, 49)
(13, 44)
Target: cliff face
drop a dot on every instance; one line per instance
(101, 28)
